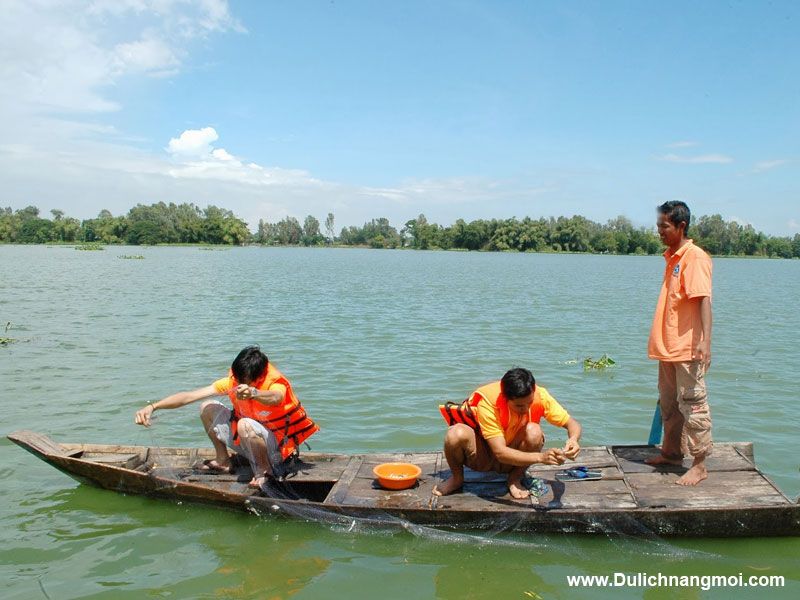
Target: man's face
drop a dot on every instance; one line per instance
(669, 233)
(521, 405)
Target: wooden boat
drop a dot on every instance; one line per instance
(631, 498)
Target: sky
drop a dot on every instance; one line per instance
(455, 109)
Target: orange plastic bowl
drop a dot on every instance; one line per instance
(397, 476)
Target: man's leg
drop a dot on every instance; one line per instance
(671, 416)
(460, 441)
(260, 447)
(213, 414)
(529, 439)
(693, 403)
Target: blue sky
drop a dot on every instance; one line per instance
(366, 109)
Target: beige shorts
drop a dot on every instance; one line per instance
(684, 407)
(479, 457)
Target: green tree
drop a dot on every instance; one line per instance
(311, 234)
(329, 229)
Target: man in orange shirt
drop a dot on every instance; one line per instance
(680, 340)
(266, 425)
(497, 429)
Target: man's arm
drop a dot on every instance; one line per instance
(173, 401)
(572, 447)
(518, 458)
(702, 351)
(270, 397)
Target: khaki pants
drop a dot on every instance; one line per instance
(684, 409)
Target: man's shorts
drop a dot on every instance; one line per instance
(222, 431)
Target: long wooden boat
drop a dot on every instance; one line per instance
(632, 497)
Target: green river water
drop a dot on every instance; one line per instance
(372, 341)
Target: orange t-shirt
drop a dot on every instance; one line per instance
(224, 385)
(489, 417)
(677, 326)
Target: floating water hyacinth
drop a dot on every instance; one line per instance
(589, 364)
(131, 257)
(90, 246)
(5, 341)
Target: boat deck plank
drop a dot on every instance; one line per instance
(725, 457)
(721, 489)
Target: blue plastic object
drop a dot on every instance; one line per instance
(655, 427)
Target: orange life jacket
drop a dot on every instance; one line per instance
(288, 420)
(467, 411)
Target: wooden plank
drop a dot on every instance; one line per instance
(127, 461)
(594, 458)
(328, 468)
(37, 443)
(339, 489)
(722, 489)
(612, 493)
(366, 492)
(488, 500)
(725, 457)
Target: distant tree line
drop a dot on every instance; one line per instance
(186, 223)
(155, 224)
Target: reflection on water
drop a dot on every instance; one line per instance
(372, 341)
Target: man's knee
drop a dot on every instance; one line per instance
(534, 437)
(210, 410)
(458, 435)
(248, 429)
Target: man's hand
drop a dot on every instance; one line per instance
(702, 352)
(572, 448)
(244, 392)
(143, 415)
(553, 456)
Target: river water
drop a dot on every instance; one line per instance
(372, 341)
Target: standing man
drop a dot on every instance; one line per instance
(497, 429)
(680, 341)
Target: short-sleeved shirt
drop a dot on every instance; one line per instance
(489, 417)
(677, 325)
(225, 385)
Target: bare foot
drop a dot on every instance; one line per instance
(694, 475)
(214, 466)
(450, 486)
(517, 491)
(663, 460)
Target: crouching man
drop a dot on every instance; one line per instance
(497, 429)
(266, 425)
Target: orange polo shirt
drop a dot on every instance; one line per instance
(489, 417)
(677, 326)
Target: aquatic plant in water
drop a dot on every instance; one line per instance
(5, 341)
(90, 246)
(131, 256)
(589, 364)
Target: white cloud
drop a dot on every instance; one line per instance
(696, 160)
(222, 154)
(793, 224)
(65, 55)
(683, 144)
(149, 55)
(767, 165)
(193, 142)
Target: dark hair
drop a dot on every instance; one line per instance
(517, 383)
(677, 212)
(249, 364)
